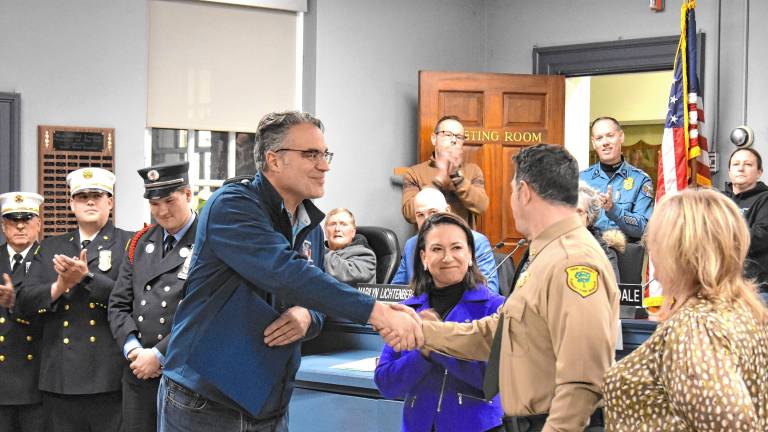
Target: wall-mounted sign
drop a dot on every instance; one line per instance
(500, 135)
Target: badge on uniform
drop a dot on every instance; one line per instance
(105, 260)
(149, 248)
(185, 252)
(582, 280)
(306, 250)
(522, 280)
(26, 266)
(629, 183)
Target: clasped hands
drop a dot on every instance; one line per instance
(400, 325)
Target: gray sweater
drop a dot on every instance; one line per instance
(355, 263)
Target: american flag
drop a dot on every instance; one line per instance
(681, 142)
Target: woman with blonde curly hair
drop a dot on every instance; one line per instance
(705, 368)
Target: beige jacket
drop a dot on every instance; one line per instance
(465, 193)
(560, 328)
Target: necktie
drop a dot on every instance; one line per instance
(168, 244)
(491, 378)
(85, 243)
(16, 262)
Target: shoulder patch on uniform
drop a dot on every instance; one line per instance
(648, 189)
(582, 280)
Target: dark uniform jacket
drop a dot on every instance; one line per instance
(79, 354)
(19, 343)
(148, 291)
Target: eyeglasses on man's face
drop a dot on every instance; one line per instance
(313, 155)
(451, 135)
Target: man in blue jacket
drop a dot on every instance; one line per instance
(627, 192)
(426, 203)
(257, 266)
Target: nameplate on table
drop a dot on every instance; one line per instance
(631, 294)
(386, 292)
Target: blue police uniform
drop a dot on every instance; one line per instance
(632, 198)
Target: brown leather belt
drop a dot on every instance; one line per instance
(537, 422)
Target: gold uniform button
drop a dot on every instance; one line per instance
(2, 358)
(167, 289)
(2, 338)
(2, 320)
(143, 302)
(159, 337)
(93, 338)
(164, 304)
(29, 338)
(29, 357)
(141, 318)
(92, 305)
(92, 322)
(148, 287)
(66, 341)
(162, 320)
(66, 307)
(66, 323)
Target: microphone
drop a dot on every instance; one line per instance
(490, 251)
(519, 244)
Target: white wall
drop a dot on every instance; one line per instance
(368, 56)
(80, 63)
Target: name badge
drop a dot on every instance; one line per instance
(184, 273)
(105, 260)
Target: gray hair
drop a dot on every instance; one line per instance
(589, 201)
(273, 129)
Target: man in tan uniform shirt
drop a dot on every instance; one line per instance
(461, 183)
(560, 322)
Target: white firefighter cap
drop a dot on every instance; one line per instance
(21, 203)
(90, 179)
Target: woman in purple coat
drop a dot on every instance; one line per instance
(443, 393)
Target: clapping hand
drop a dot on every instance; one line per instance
(71, 270)
(7, 293)
(447, 162)
(399, 325)
(607, 199)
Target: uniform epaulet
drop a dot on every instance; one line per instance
(135, 240)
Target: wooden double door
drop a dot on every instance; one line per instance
(501, 114)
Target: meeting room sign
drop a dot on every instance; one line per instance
(503, 136)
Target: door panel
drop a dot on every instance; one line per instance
(502, 114)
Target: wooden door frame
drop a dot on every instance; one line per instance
(10, 167)
(614, 57)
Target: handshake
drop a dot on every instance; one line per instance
(399, 325)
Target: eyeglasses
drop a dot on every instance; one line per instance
(451, 135)
(313, 155)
